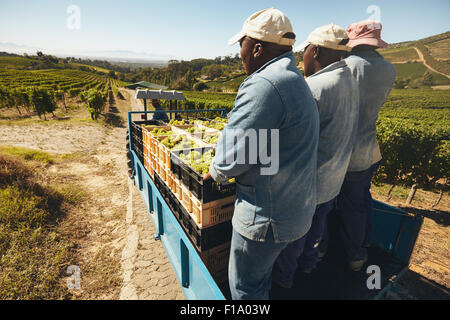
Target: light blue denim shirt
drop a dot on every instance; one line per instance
(274, 97)
(375, 77)
(337, 96)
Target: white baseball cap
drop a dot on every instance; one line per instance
(270, 25)
(328, 36)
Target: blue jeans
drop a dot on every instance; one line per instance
(303, 252)
(250, 266)
(354, 208)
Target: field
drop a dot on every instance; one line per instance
(399, 55)
(206, 100)
(416, 70)
(231, 85)
(14, 62)
(65, 79)
(28, 63)
(440, 49)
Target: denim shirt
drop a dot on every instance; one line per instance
(274, 97)
(375, 77)
(337, 96)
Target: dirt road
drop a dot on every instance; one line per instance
(422, 59)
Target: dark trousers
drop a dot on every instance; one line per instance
(304, 251)
(354, 209)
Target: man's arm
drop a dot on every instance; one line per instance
(258, 106)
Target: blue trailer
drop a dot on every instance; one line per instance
(394, 236)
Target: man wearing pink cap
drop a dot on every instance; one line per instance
(375, 77)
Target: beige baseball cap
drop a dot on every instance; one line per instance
(328, 36)
(270, 25)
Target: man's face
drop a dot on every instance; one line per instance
(247, 57)
(308, 60)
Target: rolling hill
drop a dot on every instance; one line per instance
(422, 62)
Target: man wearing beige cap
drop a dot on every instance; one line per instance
(275, 208)
(375, 77)
(337, 96)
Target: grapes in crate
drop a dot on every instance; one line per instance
(197, 161)
(211, 138)
(179, 122)
(193, 130)
(159, 131)
(178, 142)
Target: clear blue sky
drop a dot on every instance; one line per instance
(198, 28)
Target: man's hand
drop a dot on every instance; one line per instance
(207, 176)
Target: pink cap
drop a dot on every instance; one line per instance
(365, 32)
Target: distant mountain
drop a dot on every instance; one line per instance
(125, 56)
(17, 48)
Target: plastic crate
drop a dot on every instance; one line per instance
(152, 141)
(164, 153)
(216, 260)
(137, 136)
(163, 173)
(148, 165)
(204, 190)
(213, 212)
(202, 238)
(205, 214)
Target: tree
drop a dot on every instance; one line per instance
(213, 71)
(189, 78)
(11, 100)
(21, 98)
(95, 102)
(200, 86)
(112, 74)
(43, 101)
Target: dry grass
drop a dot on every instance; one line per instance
(34, 253)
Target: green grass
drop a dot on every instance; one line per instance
(28, 154)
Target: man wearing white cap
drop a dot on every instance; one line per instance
(336, 93)
(274, 208)
(375, 77)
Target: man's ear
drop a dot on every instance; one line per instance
(257, 50)
(316, 52)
